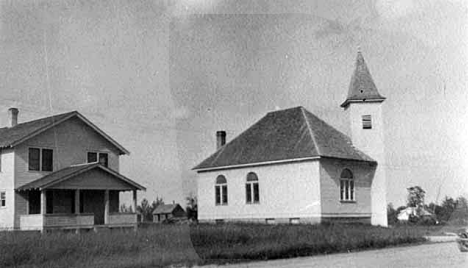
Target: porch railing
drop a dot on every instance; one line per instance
(31, 222)
(39, 221)
(122, 218)
(83, 220)
(69, 220)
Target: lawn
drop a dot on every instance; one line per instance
(240, 242)
(163, 245)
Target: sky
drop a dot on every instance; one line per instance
(161, 77)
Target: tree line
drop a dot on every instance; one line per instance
(452, 211)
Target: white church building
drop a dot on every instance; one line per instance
(292, 167)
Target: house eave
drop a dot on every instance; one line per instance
(285, 161)
(372, 162)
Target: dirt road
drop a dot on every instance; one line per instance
(427, 255)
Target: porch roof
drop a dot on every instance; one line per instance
(60, 177)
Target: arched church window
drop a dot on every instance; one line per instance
(347, 186)
(252, 193)
(221, 191)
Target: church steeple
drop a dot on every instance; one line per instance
(363, 106)
(362, 87)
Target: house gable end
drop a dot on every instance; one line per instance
(75, 131)
(70, 142)
(10, 137)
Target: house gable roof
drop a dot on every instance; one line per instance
(284, 135)
(70, 172)
(362, 87)
(12, 136)
(166, 209)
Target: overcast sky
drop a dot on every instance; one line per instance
(162, 76)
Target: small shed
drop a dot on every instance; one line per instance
(171, 211)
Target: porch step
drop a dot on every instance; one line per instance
(109, 228)
(101, 228)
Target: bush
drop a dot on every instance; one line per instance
(427, 221)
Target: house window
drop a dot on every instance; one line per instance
(252, 194)
(366, 122)
(47, 159)
(347, 186)
(40, 159)
(92, 157)
(102, 158)
(34, 159)
(2, 199)
(221, 191)
(270, 221)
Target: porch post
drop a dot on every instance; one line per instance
(106, 207)
(43, 209)
(135, 209)
(43, 202)
(77, 201)
(135, 201)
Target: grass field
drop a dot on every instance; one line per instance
(163, 245)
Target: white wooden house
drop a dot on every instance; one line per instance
(409, 212)
(292, 167)
(61, 172)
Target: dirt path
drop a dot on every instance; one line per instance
(425, 256)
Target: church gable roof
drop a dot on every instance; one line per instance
(330, 142)
(362, 87)
(284, 135)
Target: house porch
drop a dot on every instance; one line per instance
(80, 200)
(75, 209)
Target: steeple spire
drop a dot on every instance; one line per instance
(362, 87)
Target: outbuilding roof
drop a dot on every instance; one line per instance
(12, 136)
(289, 134)
(166, 209)
(70, 172)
